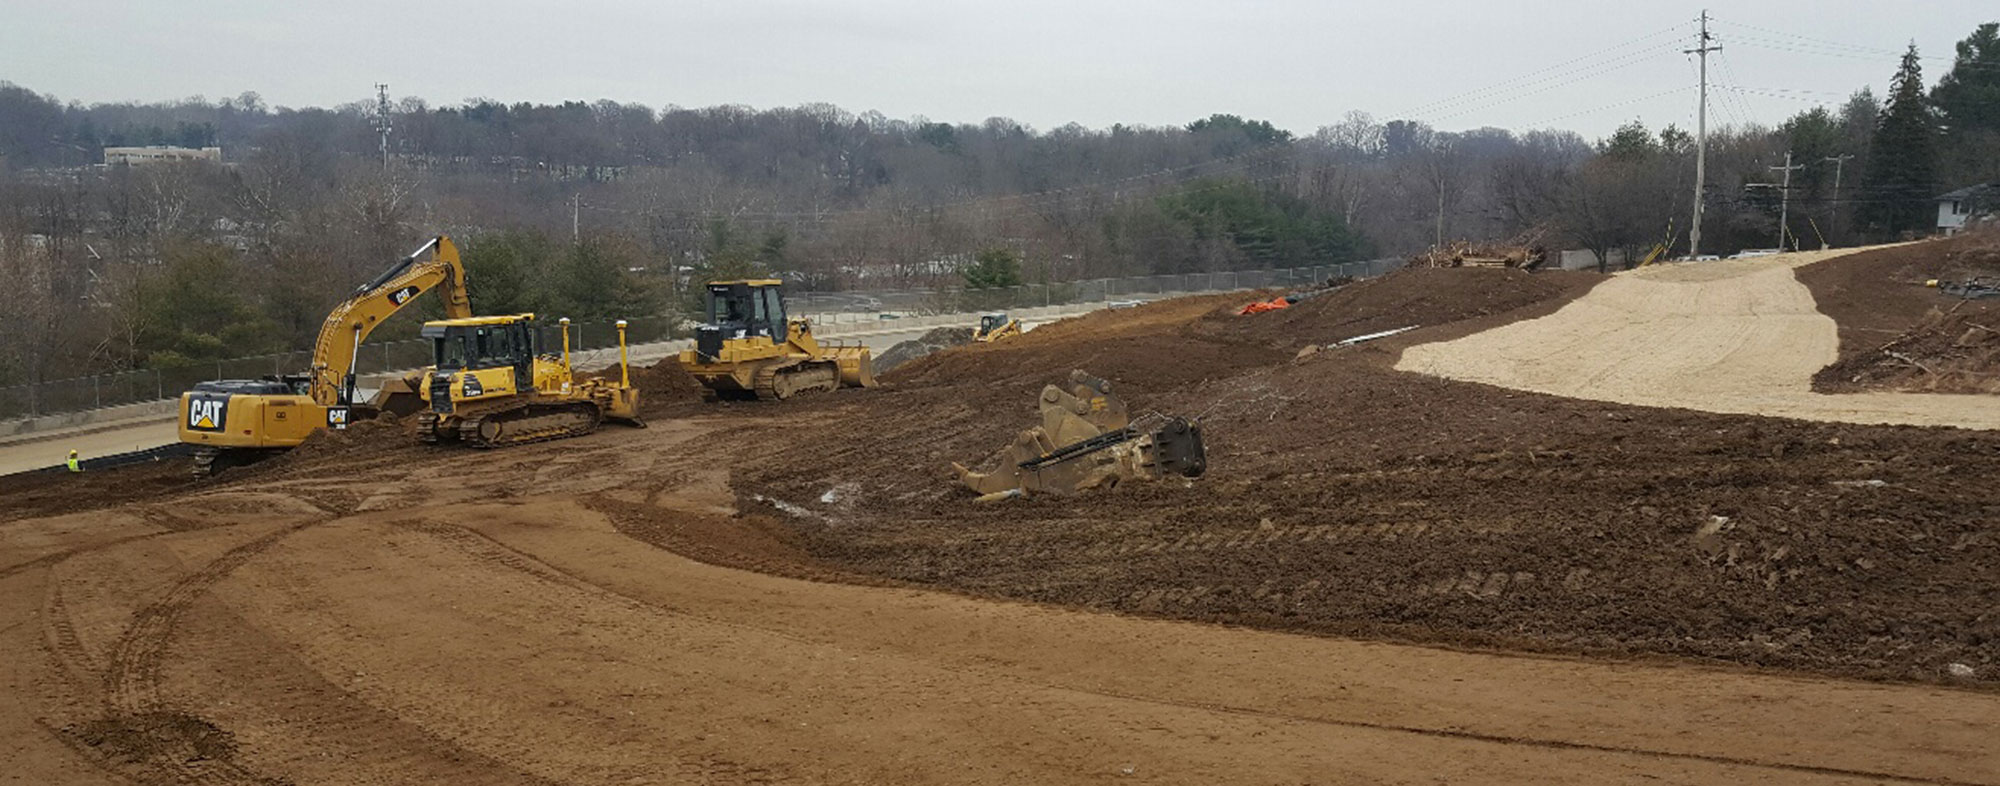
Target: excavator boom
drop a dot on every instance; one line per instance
(350, 322)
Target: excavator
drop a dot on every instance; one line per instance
(491, 386)
(994, 327)
(748, 349)
(238, 421)
(1088, 440)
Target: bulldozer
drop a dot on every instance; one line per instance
(748, 349)
(491, 386)
(238, 421)
(994, 327)
(1088, 440)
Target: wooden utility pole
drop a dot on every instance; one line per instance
(1701, 48)
(1785, 197)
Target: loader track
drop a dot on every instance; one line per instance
(533, 423)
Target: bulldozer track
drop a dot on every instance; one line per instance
(531, 424)
(780, 382)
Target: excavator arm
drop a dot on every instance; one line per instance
(339, 345)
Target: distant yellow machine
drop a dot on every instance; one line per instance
(994, 327)
(749, 349)
(491, 386)
(235, 421)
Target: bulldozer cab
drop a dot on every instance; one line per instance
(742, 309)
(483, 342)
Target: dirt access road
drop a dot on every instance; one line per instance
(511, 617)
(1735, 336)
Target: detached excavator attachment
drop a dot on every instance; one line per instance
(1086, 440)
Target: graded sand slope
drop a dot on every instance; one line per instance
(1738, 336)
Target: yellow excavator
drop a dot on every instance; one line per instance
(237, 421)
(492, 386)
(994, 327)
(748, 349)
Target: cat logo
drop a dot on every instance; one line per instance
(336, 417)
(206, 414)
(401, 296)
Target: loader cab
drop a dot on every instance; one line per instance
(482, 342)
(741, 310)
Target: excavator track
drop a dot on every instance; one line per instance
(532, 423)
(204, 461)
(777, 383)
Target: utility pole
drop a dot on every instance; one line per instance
(382, 122)
(1838, 162)
(575, 211)
(1701, 48)
(1785, 197)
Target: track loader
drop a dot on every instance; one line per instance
(1087, 440)
(491, 387)
(994, 327)
(749, 349)
(237, 421)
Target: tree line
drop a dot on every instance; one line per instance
(611, 209)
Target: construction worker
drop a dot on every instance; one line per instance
(74, 465)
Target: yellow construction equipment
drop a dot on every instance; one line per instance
(994, 327)
(1087, 440)
(491, 386)
(236, 421)
(749, 349)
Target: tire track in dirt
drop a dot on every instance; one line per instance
(484, 549)
(487, 549)
(138, 736)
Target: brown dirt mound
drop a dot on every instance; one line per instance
(36, 494)
(1423, 297)
(1895, 333)
(1346, 498)
(665, 390)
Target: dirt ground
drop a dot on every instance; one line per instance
(794, 593)
(1897, 334)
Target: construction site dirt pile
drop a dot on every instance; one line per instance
(1346, 498)
(1415, 296)
(1896, 334)
(938, 339)
(666, 390)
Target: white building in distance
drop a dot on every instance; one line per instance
(153, 154)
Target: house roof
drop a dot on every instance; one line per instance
(1969, 192)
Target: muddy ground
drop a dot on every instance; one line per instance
(1896, 334)
(1351, 499)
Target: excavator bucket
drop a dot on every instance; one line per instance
(1087, 440)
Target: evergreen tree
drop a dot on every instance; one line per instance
(1968, 97)
(1901, 176)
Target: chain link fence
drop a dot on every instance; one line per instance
(593, 338)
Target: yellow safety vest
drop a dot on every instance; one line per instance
(74, 465)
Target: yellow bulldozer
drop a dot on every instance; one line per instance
(491, 385)
(995, 327)
(237, 421)
(748, 349)
(1087, 440)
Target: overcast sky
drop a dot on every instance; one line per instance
(1300, 65)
